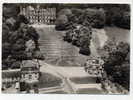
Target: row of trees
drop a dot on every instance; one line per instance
(67, 16)
(99, 17)
(80, 37)
(118, 16)
(19, 41)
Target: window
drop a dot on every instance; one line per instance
(30, 77)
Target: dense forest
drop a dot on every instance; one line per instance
(19, 41)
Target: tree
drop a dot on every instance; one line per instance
(117, 65)
(95, 16)
(6, 50)
(5, 33)
(122, 19)
(15, 34)
(10, 10)
(32, 33)
(66, 12)
(85, 39)
(20, 19)
(62, 23)
(38, 55)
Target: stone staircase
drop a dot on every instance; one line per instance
(50, 49)
(57, 51)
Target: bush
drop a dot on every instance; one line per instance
(85, 51)
(84, 45)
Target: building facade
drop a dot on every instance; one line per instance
(37, 15)
(10, 77)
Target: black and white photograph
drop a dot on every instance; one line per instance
(65, 48)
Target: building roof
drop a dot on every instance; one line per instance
(29, 63)
(10, 73)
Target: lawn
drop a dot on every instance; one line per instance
(83, 80)
(89, 91)
(48, 80)
(120, 34)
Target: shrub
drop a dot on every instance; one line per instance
(84, 40)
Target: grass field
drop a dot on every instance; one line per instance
(83, 80)
(48, 80)
(120, 34)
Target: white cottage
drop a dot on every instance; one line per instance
(30, 72)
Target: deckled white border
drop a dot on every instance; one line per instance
(69, 96)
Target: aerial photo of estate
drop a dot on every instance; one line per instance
(58, 48)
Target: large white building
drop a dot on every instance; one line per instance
(37, 15)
